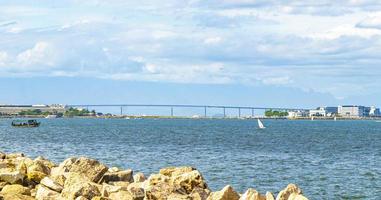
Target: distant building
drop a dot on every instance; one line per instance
(324, 112)
(353, 111)
(16, 109)
(296, 114)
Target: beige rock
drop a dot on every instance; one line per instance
(90, 168)
(227, 193)
(11, 177)
(252, 194)
(177, 196)
(78, 185)
(51, 184)
(15, 197)
(157, 178)
(14, 155)
(36, 176)
(121, 195)
(125, 176)
(81, 198)
(15, 189)
(60, 179)
(120, 183)
(63, 167)
(2, 155)
(100, 198)
(139, 177)
(200, 194)
(160, 190)
(175, 171)
(44, 193)
(137, 193)
(45, 161)
(2, 184)
(113, 169)
(269, 196)
(285, 193)
(188, 180)
(108, 189)
(295, 196)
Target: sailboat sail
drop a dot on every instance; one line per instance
(260, 124)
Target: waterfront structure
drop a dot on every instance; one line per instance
(353, 111)
(374, 112)
(324, 112)
(16, 109)
(298, 113)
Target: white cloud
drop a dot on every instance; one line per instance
(3, 58)
(346, 30)
(373, 21)
(39, 56)
(212, 40)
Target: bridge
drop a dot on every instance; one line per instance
(171, 107)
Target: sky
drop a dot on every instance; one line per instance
(235, 52)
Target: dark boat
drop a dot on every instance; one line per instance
(26, 124)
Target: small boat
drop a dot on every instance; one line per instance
(26, 124)
(335, 119)
(260, 124)
(51, 116)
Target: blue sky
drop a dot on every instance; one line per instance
(242, 52)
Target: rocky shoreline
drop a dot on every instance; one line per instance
(23, 178)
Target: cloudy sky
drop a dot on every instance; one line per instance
(278, 52)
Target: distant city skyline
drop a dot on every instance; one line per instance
(242, 52)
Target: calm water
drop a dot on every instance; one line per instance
(327, 159)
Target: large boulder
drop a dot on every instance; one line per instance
(269, 196)
(12, 177)
(295, 196)
(160, 190)
(121, 195)
(14, 155)
(139, 177)
(2, 155)
(175, 171)
(136, 191)
(15, 189)
(125, 176)
(227, 193)
(188, 180)
(290, 189)
(252, 194)
(16, 197)
(78, 185)
(90, 168)
(44, 193)
(51, 184)
(63, 167)
(199, 194)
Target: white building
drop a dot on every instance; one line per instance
(353, 111)
(374, 112)
(296, 114)
(324, 112)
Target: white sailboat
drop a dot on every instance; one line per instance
(335, 118)
(260, 124)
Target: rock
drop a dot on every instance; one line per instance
(121, 195)
(100, 198)
(295, 196)
(269, 196)
(125, 176)
(175, 171)
(3, 184)
(2, 155)
(137, 193)
(157, 178)
(177, 196)
(81, 198)
(14, 155)
(227, 193)
(188, 180)
(36, 176)
(120, 183)
(15, 189)
(60, 179)
(15, 197)
(51, 184)
(78, 185)
(199, 194)
(12, 177)
(44, 193)
(65, 166)
(108, 189)
(113, 169)
(90, 168)
(139, 177)
(285, 193)
(160, 190)
(45, 162)
(252, 194)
